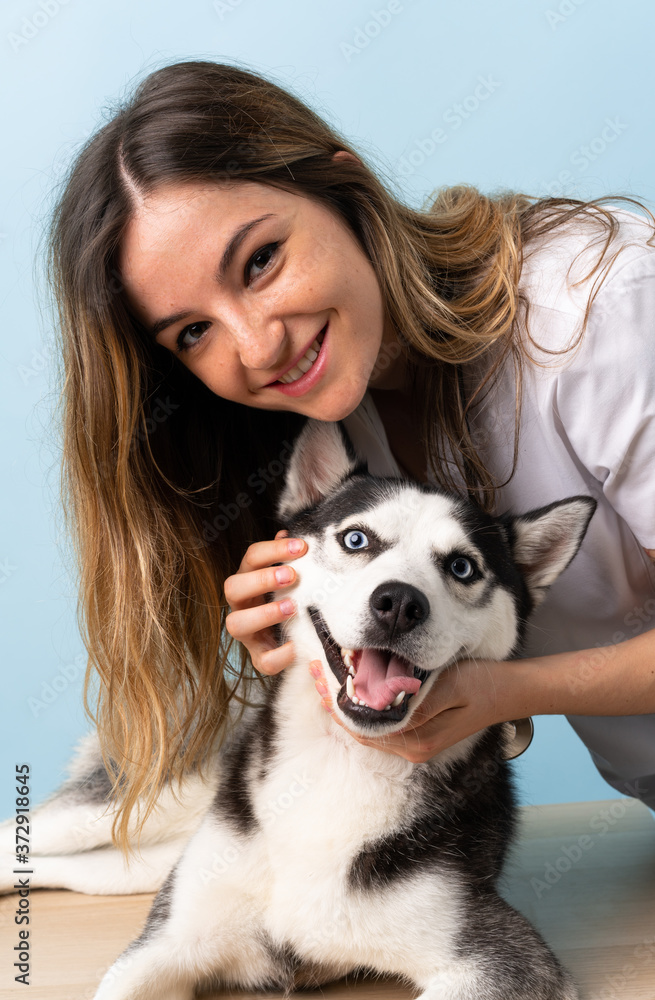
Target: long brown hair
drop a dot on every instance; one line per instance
(164, 483)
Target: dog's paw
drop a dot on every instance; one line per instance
(122, 982)
(147, 970)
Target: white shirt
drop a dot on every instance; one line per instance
(587, 427)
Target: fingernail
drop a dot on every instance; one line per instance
(283, 575)
(327, 705)
(287, 607)
(295, 545)
(315, 671)
(321, 687)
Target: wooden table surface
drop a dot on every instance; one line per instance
(584, 874)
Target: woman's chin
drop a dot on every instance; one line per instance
(336, 406)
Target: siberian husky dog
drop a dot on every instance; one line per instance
(310, 854)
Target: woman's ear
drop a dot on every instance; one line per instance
(344, 154)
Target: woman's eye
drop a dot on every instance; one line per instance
(262, 258)
(461, 568)
(355, 540)
(191, 329)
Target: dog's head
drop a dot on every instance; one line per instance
(401, 579)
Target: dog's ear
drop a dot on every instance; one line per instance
(544, 541)
(322, 457)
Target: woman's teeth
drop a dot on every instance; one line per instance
(305, 363)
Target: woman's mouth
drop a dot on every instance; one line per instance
(307, 371)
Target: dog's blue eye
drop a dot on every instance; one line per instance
(462, 568)
(355, 540)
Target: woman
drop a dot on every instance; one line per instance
(224, 267)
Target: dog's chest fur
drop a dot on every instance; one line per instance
(323, 815)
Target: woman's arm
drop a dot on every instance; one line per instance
(606, 680)
(472, 694)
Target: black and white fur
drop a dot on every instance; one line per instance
(318, 855)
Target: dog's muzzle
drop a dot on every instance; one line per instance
(376, 683)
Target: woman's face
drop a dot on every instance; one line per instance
(241, 315)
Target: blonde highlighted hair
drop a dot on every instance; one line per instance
(155, 465)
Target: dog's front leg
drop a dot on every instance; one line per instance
(204, 926)
(499, 955)
(145, 972)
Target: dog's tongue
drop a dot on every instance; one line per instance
(379, 678)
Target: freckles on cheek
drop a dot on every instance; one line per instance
(219, 375)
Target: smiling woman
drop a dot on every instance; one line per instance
(292, 318)
(265, 275)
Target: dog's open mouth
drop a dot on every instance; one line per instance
(376, 684)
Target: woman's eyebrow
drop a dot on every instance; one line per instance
(230, 250)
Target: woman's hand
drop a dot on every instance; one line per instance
(467, 697)
(250, 618)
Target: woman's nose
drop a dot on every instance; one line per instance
(260, 345)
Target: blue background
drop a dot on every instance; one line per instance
(556, 73)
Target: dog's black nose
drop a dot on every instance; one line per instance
(399, 607)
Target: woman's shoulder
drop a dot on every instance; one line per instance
(574, 260)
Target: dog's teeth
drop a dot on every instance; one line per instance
(351, 671)
(387, 707)
(397, 700)
(350, 689)
(347, 657)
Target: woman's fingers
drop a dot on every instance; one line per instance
(272, 661)
(245, 623)
(416, 744)
(251, 617)
(245, 587)
(262, 554)
(252, 627)
(419, 744)
(447, 715)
